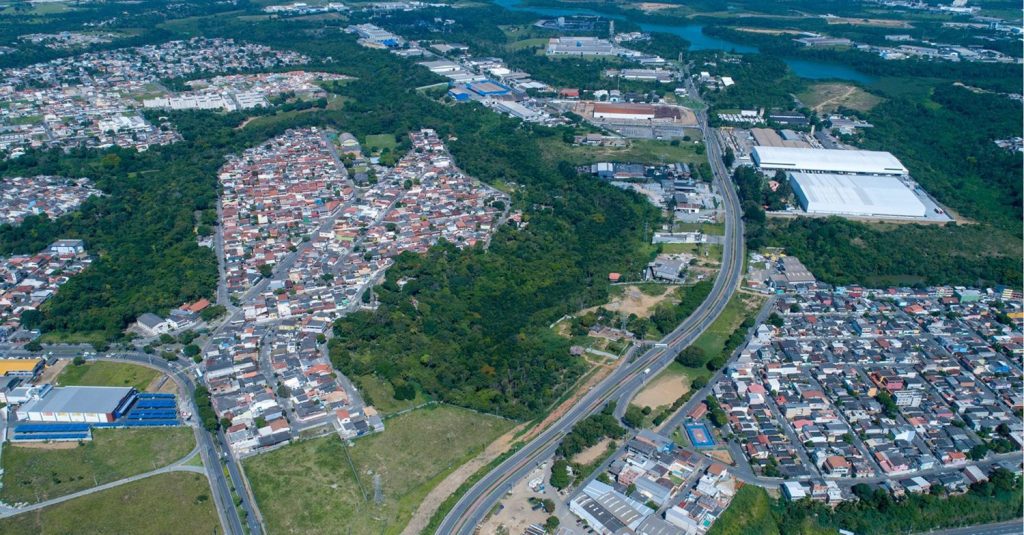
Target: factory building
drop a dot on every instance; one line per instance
(827, 161)
(629, 112)
(856, 195)
(21, 367)
(90, 404)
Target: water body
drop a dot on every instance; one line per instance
(813, 70)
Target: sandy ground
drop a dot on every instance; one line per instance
(517, 514)
(770, 32)
(721, 455)
(592, 453)
(450, 484)
(662, 391)
(633, 301)
(51, 372)
(163, 384)
(654, 6)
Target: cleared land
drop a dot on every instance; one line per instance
(749, 512)
(639, 299)
(107, 374)
(830, 96)
(311, 487)
(171, 503)
(739, 307)
(34, 474)
(378, 142)
(639, 151)
(881, 23)
(663, 390)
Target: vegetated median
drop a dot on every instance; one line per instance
(315, 485)
(176, 502)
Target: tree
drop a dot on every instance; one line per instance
(549, 505)
(560, 478)
(266, 270)
(776, 320)
(692, 357)
(634, 417)
(190, 350)
(31, 319)
(551, 524)
(78, 361)
(729, 157)
(34, 346)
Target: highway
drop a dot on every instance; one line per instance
(480, 499)
(1010, 527)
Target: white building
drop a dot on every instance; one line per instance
(828, 161)
(857, 195)
(94, 404)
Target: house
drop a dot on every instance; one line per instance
(153, 325)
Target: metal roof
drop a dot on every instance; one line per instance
(91, 399)
(856, 195)
(828, 160)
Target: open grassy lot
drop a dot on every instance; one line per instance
(382, 395)
(830, 96)
(639, 151)
(163, 504)
(749, 512)
(379, 142)
(34, 474)
(712, 229)
(738, 308)
(311, 487)
(107, 374)
(707, 252)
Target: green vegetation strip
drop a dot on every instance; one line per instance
(35, 474)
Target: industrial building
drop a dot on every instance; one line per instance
(90, 404)
(21, 367)
(865, 162)
(582, 46)
(857, 195)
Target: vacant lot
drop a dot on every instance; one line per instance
(639, 151)
(639, 299)
(311, 487)
(107, 374)
(663, 390)
(830, 96)
(379, 142)
(382, 395)
(163, 504)
(739, 307)
(33, 474)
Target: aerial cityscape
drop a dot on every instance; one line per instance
(512, 267)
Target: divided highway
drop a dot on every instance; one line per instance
(479, 500)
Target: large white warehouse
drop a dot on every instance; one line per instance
(857, 195)
(828, 161)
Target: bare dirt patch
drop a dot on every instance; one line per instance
(517, 513)
(770, 32)
(721, 455)
(663, 391)
(635, 301)
(51, 372)
(69, 445)
(592, 453)
(654, 6)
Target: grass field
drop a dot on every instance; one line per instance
(37, 474)
(379, 142)
(738, 308)
(830, 96)
(713, 229)
(705, 251)
(640, 151)
(527, 43)
(107, 374)
(163, 504)
(310, 487)
(382, 395)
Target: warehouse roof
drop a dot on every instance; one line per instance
(856, 195)
(18, 365)
(828, 160)
(94, 399)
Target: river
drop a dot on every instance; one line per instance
(814, 70)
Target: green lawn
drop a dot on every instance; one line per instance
(711, 229)
(381, 395)
(704, 251)
(309, 486)
(379, 142)
(107, 374)
(35, 474)
(527, 43)
(163, 504)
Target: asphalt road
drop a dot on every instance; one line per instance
(1012, 527)
(626, 379)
